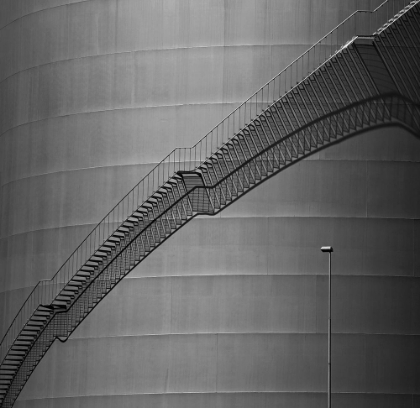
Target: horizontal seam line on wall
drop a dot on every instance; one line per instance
(361, 217)
(148, 50)
(291, 333)
(238, 275)
(211, 393)
(121, 109)
(75, 170)
(41, 10)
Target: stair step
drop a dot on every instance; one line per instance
(7, 372)
(21, 353)
(30, 327)
(112, 239)
(40, 316)
(42, 310)
(18, 347)
(96, 259)
(65, 295)
(80, 279)
(22, 342)
(72, 288)
(56, 306)
(35, 323)
(11, 364)
(7, 358)
(83, 273)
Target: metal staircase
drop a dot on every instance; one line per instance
(366, 82)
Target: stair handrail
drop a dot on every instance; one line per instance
(188, 158)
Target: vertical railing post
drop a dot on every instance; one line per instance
(329, 331)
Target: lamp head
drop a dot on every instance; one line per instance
(327, 249)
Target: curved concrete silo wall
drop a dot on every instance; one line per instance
(231, 311)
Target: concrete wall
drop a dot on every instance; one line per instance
(231, 311)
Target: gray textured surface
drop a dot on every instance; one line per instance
(231, 311)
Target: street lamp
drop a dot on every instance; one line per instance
(329, 249)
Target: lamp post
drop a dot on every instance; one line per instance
(329, 249)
